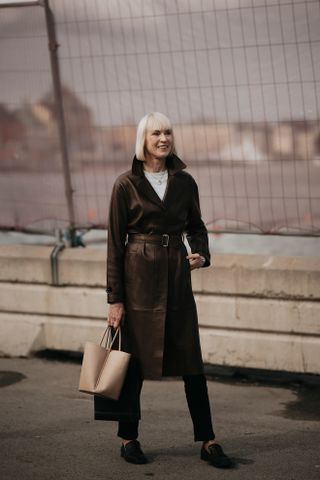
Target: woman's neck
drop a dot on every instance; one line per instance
(152, 164)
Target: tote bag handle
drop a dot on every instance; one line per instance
(109, 339)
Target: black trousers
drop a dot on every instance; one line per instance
(199, 407)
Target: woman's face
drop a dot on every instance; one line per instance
(159, 143)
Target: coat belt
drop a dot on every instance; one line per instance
(164, 240)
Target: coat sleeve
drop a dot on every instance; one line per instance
(197, 234)
(117, 234)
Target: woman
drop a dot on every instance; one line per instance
(148, 276)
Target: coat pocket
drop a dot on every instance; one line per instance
(139, 276)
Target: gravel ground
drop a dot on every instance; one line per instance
(48, 431)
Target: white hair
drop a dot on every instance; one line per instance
(151, 121)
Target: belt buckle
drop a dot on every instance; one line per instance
(165, 240)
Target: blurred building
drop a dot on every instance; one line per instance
(29, 138)
(29, 135)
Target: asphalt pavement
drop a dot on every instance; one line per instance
(48, 432)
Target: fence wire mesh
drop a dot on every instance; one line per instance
(240, 80)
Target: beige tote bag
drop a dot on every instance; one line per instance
(103, 370)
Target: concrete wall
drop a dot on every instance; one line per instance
(254, 311)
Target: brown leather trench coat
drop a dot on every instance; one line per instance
(154, 282)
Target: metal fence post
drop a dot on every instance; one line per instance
(53, 46)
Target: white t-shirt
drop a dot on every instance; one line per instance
(158, 181)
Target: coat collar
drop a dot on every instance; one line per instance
(174, 165)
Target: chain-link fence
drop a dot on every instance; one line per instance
(240, 80)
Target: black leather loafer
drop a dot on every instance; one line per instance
(216, 456)
(132, 453)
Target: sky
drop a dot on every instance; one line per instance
(225, 61)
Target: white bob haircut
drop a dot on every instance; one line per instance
(151, 121)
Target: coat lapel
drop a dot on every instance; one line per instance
(145, 189)
(172, 191)
(174, 165)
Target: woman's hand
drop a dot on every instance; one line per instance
(116, 314)
(196, 261)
